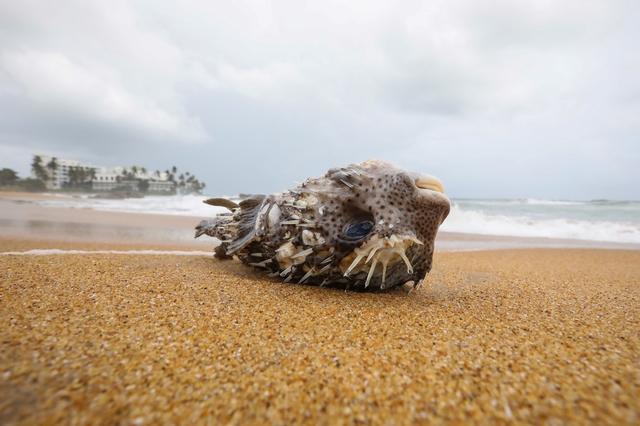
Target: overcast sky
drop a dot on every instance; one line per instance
(499, 99)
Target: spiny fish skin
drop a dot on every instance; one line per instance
(364, 226)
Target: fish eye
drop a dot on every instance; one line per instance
(358, 230)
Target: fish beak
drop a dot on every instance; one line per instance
(430, 182)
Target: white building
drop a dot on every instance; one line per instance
(58, 170)
(103, 178)
(107, 178)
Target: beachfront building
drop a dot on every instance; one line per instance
(59, 173)
(107, 178)
(57, 170)
(110, 178)
(162, 186)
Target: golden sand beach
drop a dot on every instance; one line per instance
(536, 336)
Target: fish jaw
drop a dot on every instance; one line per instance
(383, 251)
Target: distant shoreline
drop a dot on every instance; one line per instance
(22, 218)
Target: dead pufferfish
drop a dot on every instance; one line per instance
(364, 226)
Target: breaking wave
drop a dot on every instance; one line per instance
(181, 205)
(597, 220)
(466, 220)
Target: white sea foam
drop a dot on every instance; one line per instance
(601, 220)
(181, 205)
(535, 201)
(48, 252)
(478, 222)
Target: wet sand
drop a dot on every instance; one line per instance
(24, 220)
(539, 336)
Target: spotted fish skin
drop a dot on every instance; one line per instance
(364, 226)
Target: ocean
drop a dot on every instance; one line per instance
(595, 220)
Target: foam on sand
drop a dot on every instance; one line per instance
(48, 252)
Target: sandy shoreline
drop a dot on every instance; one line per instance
(532, 335)
(522, 335)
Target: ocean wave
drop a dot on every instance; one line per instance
(521, 218)
(180, 205)
(520, 201)
(478, 222)
(541, 202)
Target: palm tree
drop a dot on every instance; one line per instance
(38, 170)
(73, 176)
(52, 166)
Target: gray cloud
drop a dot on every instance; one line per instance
(498, 98)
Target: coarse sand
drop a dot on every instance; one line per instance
(536, 336)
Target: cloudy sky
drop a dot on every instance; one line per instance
(498, 98)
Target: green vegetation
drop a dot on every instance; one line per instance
(38, 169)
(80, 177)
(8, 177)
(134, 179)
(10, 181)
